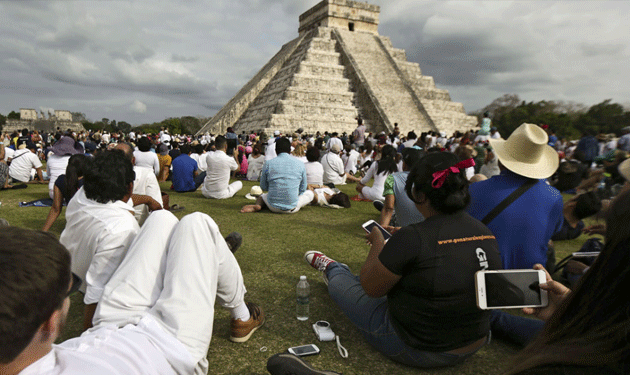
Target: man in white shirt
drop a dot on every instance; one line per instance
(334, 140)
(100, 225)
(270, 151)
(156, 314)
(333, 166)
(23, 162)
(353, 160)
(216, 184)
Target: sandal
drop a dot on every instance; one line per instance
(176, 208)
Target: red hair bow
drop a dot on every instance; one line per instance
(440, 176)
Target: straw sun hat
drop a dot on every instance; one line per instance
(526, 152)
(624, 169)
(255, 192)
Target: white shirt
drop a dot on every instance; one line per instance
(105, 137)
(218, 175)
(333, 168)
(202, 163)
(270, 151)
(379, 179)
(97, 235)
(334, 141)
(351, 164)
(314, 173)
(147, 159)
(410, 143)
(8, 153)
(55, 167)
(254, 167)
(144, 348)
(145, 184)
(165, 138)
(22, 163)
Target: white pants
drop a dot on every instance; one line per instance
(174, 272)
(304, 199)
(372, 194)
(229, 193)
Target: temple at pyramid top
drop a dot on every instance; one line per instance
(337, 69)
(341, 14)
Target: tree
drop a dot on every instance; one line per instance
(78, 117)
(124, 126)
(13, 115)
(105, 121)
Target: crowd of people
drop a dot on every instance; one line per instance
(454, 204)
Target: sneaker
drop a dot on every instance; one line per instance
(241, 331)
(234, 241)
(319, 261)
(378, 205)
(289, 364)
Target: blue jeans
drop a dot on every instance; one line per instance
(199, 179)
(371, 317)
(517, 329)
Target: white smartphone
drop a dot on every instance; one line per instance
(371, 224)
(510, 289)
(586, 254)
(304, 350)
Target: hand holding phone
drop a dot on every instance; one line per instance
(370, 225)
(556, 294)
(509, 289)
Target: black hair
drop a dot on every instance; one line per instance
(340, 199)
(220, 142)
(388, 160)
(198, 148)
(312, 154)
(410, 155)
(77, 165)
(185, 149)
(35, 274)
(283, 145)
(452, 196)
(144, 144)
(108, 177)
(412, 135)
(588, 204)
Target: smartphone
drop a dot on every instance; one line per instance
(586, 254)
(304, 350)
(510, 289)
(371, 224)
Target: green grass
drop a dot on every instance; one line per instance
(271, 261)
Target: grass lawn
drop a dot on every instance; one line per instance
(271, 261)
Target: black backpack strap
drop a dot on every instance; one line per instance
(508, 201)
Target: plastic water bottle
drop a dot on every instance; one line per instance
(303, 291)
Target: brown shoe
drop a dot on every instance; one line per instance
(241, 331)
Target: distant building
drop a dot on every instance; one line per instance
(29, 119)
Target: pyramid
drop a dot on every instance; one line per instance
(339, 68)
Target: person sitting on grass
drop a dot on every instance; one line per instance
(186, 176)
(66, 186)
(587, 329)
(415, 301)
(396, 199)
(284, 179)
(379, 170)
(216, 183)
(156, 313)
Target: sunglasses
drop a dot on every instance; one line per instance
(76, 284)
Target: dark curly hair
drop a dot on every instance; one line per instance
(312, 154)
(108, 177)
(452, 196)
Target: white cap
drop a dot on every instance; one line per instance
(302, 277)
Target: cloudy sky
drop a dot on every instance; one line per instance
(143, 61)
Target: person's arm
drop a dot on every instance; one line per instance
(238, 164)
(145, 199)
(556, 294)
(263, 177)
(40, 177)
(303, 182)
(55, 209)
(2, 154)
(156, 164)
(376, 279)
(388, 210)
(88, 315)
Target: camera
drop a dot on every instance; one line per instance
(323, 331)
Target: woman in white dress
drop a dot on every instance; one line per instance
(379, 170)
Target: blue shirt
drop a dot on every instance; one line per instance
(524, 228)
(184, 168)
(284, 178)
(589, 146)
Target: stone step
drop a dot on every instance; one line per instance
(442, 105)
(288, 123)
(398, 54)
(432, 94)
(323, 57)
(292, 107)
(323, 44)
(306, 94)
(321, 70)
(326, 84)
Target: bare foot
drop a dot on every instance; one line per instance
(251, 208)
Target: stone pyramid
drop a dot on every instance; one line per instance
(339, 68)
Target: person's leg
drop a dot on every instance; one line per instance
(516, 329)
(138, 281)
(199, 269)
(233, 188)
(304, 199)
(371, 317)
(260, 203)
(199, 179)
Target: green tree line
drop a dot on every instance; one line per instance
(569, 120)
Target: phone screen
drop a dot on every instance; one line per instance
(512, 289)
(368, 228)
(304, 350)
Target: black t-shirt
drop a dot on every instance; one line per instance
(60, 182)
(433, 306)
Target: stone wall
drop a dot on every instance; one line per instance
(41, 125)
(343, 14)
(28, 114)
